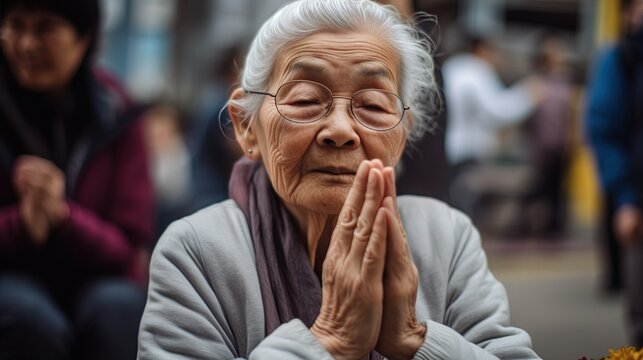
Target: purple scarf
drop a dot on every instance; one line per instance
(289, 286)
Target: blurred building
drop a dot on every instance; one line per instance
(163, 47)
(166, 48)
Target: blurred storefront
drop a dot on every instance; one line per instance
(165, 48)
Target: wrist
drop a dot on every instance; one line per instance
(338, 349)
(416, 339)
(411, 343)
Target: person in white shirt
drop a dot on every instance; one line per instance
(479, 105)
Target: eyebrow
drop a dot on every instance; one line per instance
(366, 70)
(375, 71)
(307, 67)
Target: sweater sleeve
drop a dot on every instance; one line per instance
(116, 233)
(505, 106)
(476, 320)
(608, 129)
(194, 314)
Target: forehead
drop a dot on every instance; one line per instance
(34, 13)
(335, 56)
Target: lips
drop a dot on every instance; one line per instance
(335, 170)
(29, 66)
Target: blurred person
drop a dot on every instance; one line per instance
(170, 164)
(549, 132)
(479, 106)
(75, 195)
(315, 256)
(209, 137)
(615, 128)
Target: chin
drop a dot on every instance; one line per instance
(327, 200)
(35, 83)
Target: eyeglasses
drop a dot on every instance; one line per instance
(303, 101)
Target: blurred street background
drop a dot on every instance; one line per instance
(182, 58)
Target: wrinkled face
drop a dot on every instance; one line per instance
(312, 165)
(43, 49)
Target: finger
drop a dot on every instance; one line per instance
(35, 181)
(390, 190)
(398, 251)
(46, 178)
(343, 233)
(377, 163)
(376, 251)
(364, 227)
(20, 181)
(30, 160)
(38, 166)
(28, 163)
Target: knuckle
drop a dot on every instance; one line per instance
(329, 264)
(362, 229)
(348, 219)
(328, 274)
(371, 257)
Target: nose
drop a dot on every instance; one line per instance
(28, 40)
(339, 128)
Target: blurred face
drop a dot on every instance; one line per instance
(636, 17)
(43, 49)
(555, 51)
(312, 165)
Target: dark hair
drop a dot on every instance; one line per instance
(473, 42)
(545, 36)
(84, 15)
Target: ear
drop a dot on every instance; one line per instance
(243, 129)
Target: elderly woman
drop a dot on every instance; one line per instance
(315, 256)
(75, 195)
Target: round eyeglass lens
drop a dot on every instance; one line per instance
(302, 101)
(377, 109)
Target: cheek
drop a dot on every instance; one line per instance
(284, 148)
(67, 62)
(387, 146)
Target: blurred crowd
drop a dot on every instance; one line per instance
(90, 178)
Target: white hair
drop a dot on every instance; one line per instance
(302, 18)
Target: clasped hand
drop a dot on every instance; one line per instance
(369, 280)
(41, 190)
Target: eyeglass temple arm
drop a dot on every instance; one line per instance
(259, 93)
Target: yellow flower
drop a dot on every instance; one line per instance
(625, 353)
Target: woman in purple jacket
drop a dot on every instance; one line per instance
(75, 195)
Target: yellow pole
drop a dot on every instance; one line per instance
(608, 21)
(583, 183)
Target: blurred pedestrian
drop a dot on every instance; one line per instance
(549, 132)
(479, 106)
(210, 136)
(615, 127)
(170, 164)
(75, 195)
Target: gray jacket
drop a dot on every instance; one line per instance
(204, 300)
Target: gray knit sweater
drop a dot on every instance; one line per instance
(204, 300)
